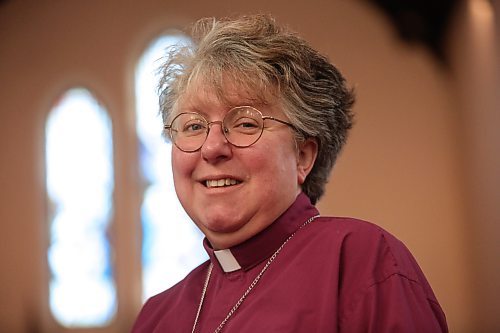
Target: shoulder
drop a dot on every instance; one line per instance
(357, 236)
(349, 225)
(379, 275)
(167, 303)
(181, 288)
(368, 251)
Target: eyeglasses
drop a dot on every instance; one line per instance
(242, 126)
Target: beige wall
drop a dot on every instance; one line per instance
(476, 71)
(422, 160)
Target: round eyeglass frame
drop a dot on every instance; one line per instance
(224, 130)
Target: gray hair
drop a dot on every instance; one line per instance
(266, 60)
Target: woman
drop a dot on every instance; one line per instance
(258, 119)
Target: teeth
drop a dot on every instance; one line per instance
(221, 182)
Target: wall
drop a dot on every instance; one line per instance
(476, 75)
(404, 167)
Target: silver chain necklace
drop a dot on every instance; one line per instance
(250, 288)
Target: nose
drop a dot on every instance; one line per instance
(216, 147)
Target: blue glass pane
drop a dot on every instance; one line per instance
(79, 166)
(172, 245)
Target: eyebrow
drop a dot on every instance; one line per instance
(200, 111)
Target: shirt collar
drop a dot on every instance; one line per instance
(261, 246)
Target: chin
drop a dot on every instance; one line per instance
(222, 226)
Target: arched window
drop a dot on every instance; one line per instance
(171, 243)
(79, 180)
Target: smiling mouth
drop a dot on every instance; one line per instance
(221, 182)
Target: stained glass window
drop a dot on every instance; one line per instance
(79, 180)
(171, 244)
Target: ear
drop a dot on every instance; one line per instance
(307, 152)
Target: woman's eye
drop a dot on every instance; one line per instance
(246, 124)
(194, 127)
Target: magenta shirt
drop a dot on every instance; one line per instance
(334, 275)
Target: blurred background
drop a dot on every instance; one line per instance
(83, 185)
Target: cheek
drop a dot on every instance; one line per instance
(182, 165)
(285, 153)
(182, 169)
(279, 160)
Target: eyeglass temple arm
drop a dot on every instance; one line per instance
(279, 121)
(169, 128)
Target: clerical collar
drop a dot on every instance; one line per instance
(260, 247)
(227, 260)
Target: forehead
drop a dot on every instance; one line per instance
(204, 95)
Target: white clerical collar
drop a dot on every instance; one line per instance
(227, 261)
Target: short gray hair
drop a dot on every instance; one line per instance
(263, 58)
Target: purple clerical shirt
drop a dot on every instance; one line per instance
(333, 275)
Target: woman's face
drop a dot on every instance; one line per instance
(268, 174)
